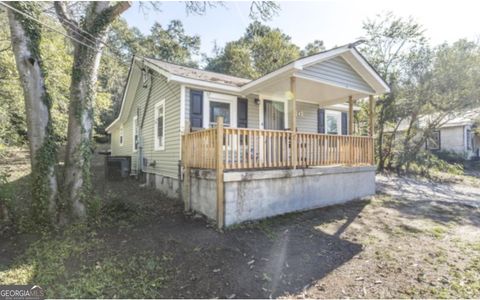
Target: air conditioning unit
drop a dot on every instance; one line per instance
(117, 167)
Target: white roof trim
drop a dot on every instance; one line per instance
(123, 98)
(314, 59)
(371, 71)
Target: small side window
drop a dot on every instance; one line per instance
(159, 137)
(121, 135)
(433, 142)
(135, 133)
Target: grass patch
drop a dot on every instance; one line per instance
(438, 232)
(465, 283)
(77, 264)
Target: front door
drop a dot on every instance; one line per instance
(273, 115)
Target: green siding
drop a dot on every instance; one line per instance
(166, 161)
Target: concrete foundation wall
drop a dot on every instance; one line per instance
(252, 195)
(170, 186)
(203, 195)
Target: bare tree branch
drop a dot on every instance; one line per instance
(109, 14)
(265, 10)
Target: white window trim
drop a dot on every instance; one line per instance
(338, 116)
(122, 136)
(216, 97)
(156, 145)
(134, 128)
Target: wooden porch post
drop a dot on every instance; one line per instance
(350, 115)
(186, 184)
(371, 115)
(293, 91)
(219, 173)
(371, 127)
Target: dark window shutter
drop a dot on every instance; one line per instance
(344, 123)
(321, 120)
(196, 109)
(242, 113)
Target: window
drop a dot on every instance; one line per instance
(160, 125)
(469, 140)
(433, 142)
(219, 109)
(121, 135)
(332, 124)
(135, 133)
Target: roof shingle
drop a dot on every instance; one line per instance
(193, 73)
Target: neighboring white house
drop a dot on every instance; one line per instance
(456, 134)
(288, 120)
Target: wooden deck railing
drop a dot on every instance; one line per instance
(244, 148)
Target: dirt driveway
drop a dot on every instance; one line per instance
(415, 238)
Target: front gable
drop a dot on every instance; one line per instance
(336, 71)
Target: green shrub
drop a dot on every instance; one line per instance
(425, 163)
(450, 157)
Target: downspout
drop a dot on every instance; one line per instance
(140, 133)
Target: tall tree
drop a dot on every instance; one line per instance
(391, 43)
(90, 35)
(171, 44)
(313, 48)
(261, 50)
(26, 36)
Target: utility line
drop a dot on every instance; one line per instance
(60, 32)
(43, 24)
(82, 32)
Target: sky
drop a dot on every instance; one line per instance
(335, 22)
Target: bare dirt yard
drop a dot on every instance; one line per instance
(416, 238)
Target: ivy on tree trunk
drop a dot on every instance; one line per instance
(90, 34)
(26, 35)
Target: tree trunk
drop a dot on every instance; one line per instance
(26, 36)
(80, 124)
(91, 34)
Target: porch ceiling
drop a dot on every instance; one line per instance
(311, 91)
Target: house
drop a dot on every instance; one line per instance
(459, 135)
(456, 133)
(236, 149)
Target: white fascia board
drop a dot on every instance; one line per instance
(368, 68)
(308, 61)
(123, 98)
(157, 69)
